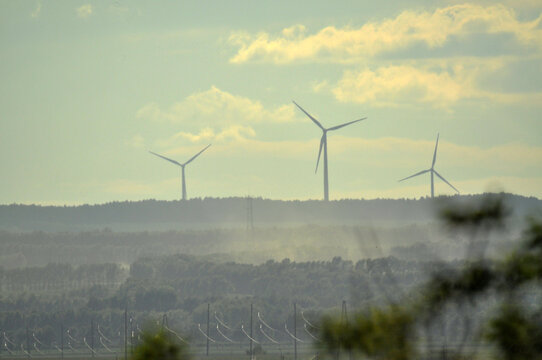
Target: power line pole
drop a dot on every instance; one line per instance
(344, 315)
(131, 337)
(62, 341)
(27, 343)
(164, 321)
(295, 332)
(126, 331)
(208, 311)
(344, 321)
(92, 337)
(251, 354)
(250, 218)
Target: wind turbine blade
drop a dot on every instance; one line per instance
(320, 151)
(435, 153)
(195, 156)
(446, 181)
(418, 173)
(309, 115)
(165, 158)
(346, 124)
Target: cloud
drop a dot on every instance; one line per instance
(349, 45)
(137, 141)
(440, 83)
(217, 107)
(405, 84)
(37, 11)
(207, 134)
(319, 86)
(215, 115)
(84, 11)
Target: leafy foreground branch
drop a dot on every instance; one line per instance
(159, 345)
(495, 305)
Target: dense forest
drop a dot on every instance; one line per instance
(300, 243)
(80, 280)
(43, 298)
(299, 230)
(227, 212)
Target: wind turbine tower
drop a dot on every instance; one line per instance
(433, 172)
(182, 166)
(323, 144)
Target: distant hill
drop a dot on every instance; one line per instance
(153, 215)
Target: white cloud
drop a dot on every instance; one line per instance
(215, 115)
(439, 82)
(348, 45)
(84, 11)
(137, 141)
(405, 84)
(37, 11)
(319, 86)
(217, 107)
(207, 134)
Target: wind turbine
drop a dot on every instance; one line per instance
(182, 165)
(323, 144)
(432, 171)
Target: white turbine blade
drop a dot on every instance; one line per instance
(418, 173)
(310, 116)
(345, 124)
(320, 151)
(165, 158)
(435, 153)
(195, 156)
(446, 181)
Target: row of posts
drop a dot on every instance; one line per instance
(91, 345)
(251, 330)
(126, 320)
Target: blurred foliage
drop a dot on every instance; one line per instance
(514, 328)
(517, 337)
(378, 333)
(159, 345)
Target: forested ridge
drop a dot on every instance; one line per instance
(299, 243)
(197, 212)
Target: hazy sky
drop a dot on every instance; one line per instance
(87, 88)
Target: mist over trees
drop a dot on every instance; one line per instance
(182, 285)
(298, 230)
(89, 275)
